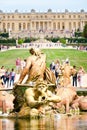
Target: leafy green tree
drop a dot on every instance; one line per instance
(20, 41)
(85, 31)
(62, 40)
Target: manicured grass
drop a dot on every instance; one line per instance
(78, 58)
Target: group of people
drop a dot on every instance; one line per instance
(7, 76)
(76, 75)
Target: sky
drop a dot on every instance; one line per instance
(43, 5)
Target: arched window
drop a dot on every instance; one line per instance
(69, 16)
(19, 26)
(63, 26)
(74, 16)
(41, 16)
(12, 16)
(28, 16)
(58, 16)
(24, 16)
(3, 16)
(54, 16)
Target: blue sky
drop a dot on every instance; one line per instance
(43, 5)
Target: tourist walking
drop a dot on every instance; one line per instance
(7, 77)
(52, 67)
(18, 65)
(12, 77)
(74, 76)
(57, 70)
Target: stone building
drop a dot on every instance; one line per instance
(42, 23)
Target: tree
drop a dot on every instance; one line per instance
(20, 41)
(85, 31)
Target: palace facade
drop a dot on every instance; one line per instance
(47, 23)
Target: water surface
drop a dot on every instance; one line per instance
(57, 122)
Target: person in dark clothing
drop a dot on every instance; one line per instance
(7, 77)
(74, 77)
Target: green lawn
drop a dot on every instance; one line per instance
(78, 58)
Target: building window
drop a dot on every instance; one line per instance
(28, 16)
(74, 16)
(41, 16)
(78, 16)
(12, 16)
(69, 16)
(20, 16)
(19, 26)
(8, 16)
(54, 16)
(63, 26)
(24, 16)
(85, 16)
